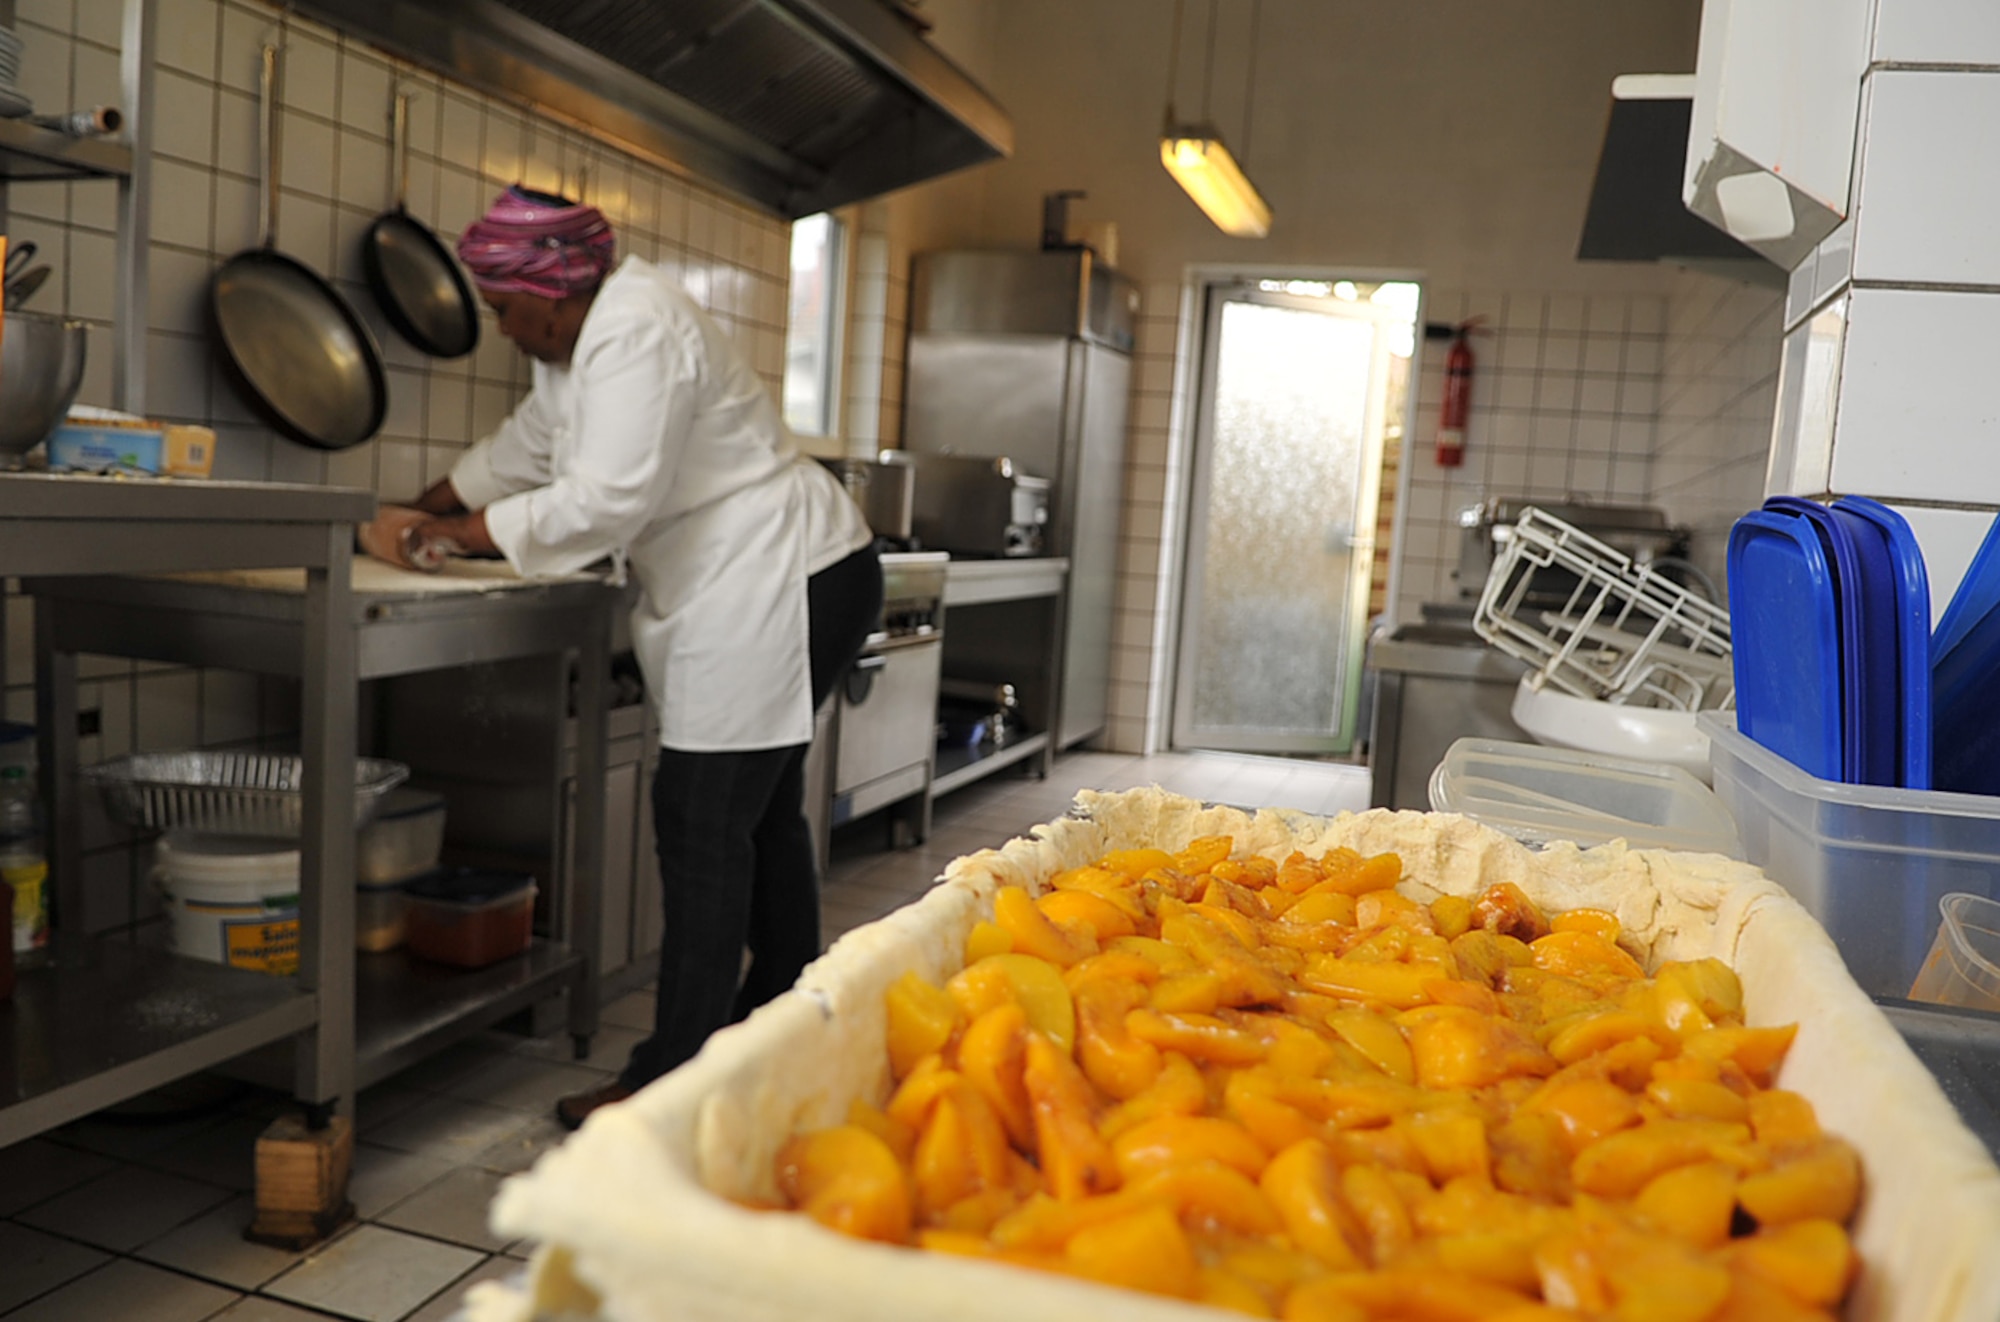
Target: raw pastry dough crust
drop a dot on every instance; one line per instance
(635, 1212)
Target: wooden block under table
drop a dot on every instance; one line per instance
(302, 1182)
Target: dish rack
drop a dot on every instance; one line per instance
(221, 793)
(1626, 634)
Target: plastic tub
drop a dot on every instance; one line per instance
(1610, 729)
(1538, 794)
(1871, 863)
(403, 841)
(470, 917)
(231, 900)
(1964, 963)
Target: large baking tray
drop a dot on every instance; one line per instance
(224, 793)
(635, 1214)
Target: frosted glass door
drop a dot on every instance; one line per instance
(1287, 462)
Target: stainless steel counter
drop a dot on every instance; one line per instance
(1434, 683)
(100, 1024)
(277, 624)
(1004, 624)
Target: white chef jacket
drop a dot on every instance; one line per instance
(659, 443)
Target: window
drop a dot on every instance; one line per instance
(812, 333)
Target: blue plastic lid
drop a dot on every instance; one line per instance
(1864, 740)
(1910, 610)
(1965, 704)
(1784, 623)
(1977, 596)
(470, 886)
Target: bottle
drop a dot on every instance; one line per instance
(7, 946)
(23, 865)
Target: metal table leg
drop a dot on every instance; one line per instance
(55, 724)
(586, 928)
(326, 877)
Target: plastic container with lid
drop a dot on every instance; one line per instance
(1964, 963)
(470, 917)
(6, 944)
(1539, 794)
(381, 918)
(232, 899)
(1871, 863)
(403, 841)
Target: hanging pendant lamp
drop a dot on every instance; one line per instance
(1195, 154)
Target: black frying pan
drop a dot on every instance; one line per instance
(418, 284)
(296, 349)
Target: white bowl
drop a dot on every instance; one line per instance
(1644, 734)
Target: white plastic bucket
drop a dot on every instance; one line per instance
(233, 899)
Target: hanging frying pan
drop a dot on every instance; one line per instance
(294, 346)
(418, 283)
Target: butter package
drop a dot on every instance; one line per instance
(150, 448)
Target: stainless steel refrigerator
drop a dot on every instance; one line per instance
(1028, 354)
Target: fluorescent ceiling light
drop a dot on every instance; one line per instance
(1202, 166)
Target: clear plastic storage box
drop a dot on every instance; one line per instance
(1539, 794)
(380, 920)
(403, 841)
(470, 917)
(1872, 864)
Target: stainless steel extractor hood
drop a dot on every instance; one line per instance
(797, 105)
(1636, 213)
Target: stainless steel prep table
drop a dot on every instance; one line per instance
(391, 1009)
(105, 1021)
(1018, 641)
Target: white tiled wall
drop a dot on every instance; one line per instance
(1564, 394)
(336, 178)
(1924, 206)
(1149, 547)
(877, 321)
(1888, 355)
(1914, 419)
(1718, 391)
(1937, 32)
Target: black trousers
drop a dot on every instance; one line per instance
(736, 858)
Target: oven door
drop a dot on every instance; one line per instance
(888, 725)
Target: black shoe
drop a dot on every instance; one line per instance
(573, 1110)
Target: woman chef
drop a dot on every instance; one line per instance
(647, 438)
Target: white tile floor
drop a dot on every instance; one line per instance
(111, 1218)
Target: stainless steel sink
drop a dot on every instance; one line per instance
(1444, 633)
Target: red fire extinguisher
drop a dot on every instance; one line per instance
(1457, 398)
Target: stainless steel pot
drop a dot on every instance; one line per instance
(41, 366)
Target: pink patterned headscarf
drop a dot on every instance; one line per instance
(532, 243)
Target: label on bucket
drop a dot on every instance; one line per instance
(262, 946)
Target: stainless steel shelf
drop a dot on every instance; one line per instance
(265, 623)
(982, 582)
(406, 1009)
(959, 767)
(110, 1021)
(29, 152)
(120, 1019)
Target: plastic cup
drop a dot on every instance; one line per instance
(1963, 967)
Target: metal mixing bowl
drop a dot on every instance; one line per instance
(41, 366)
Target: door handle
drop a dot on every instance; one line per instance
(870, 662)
